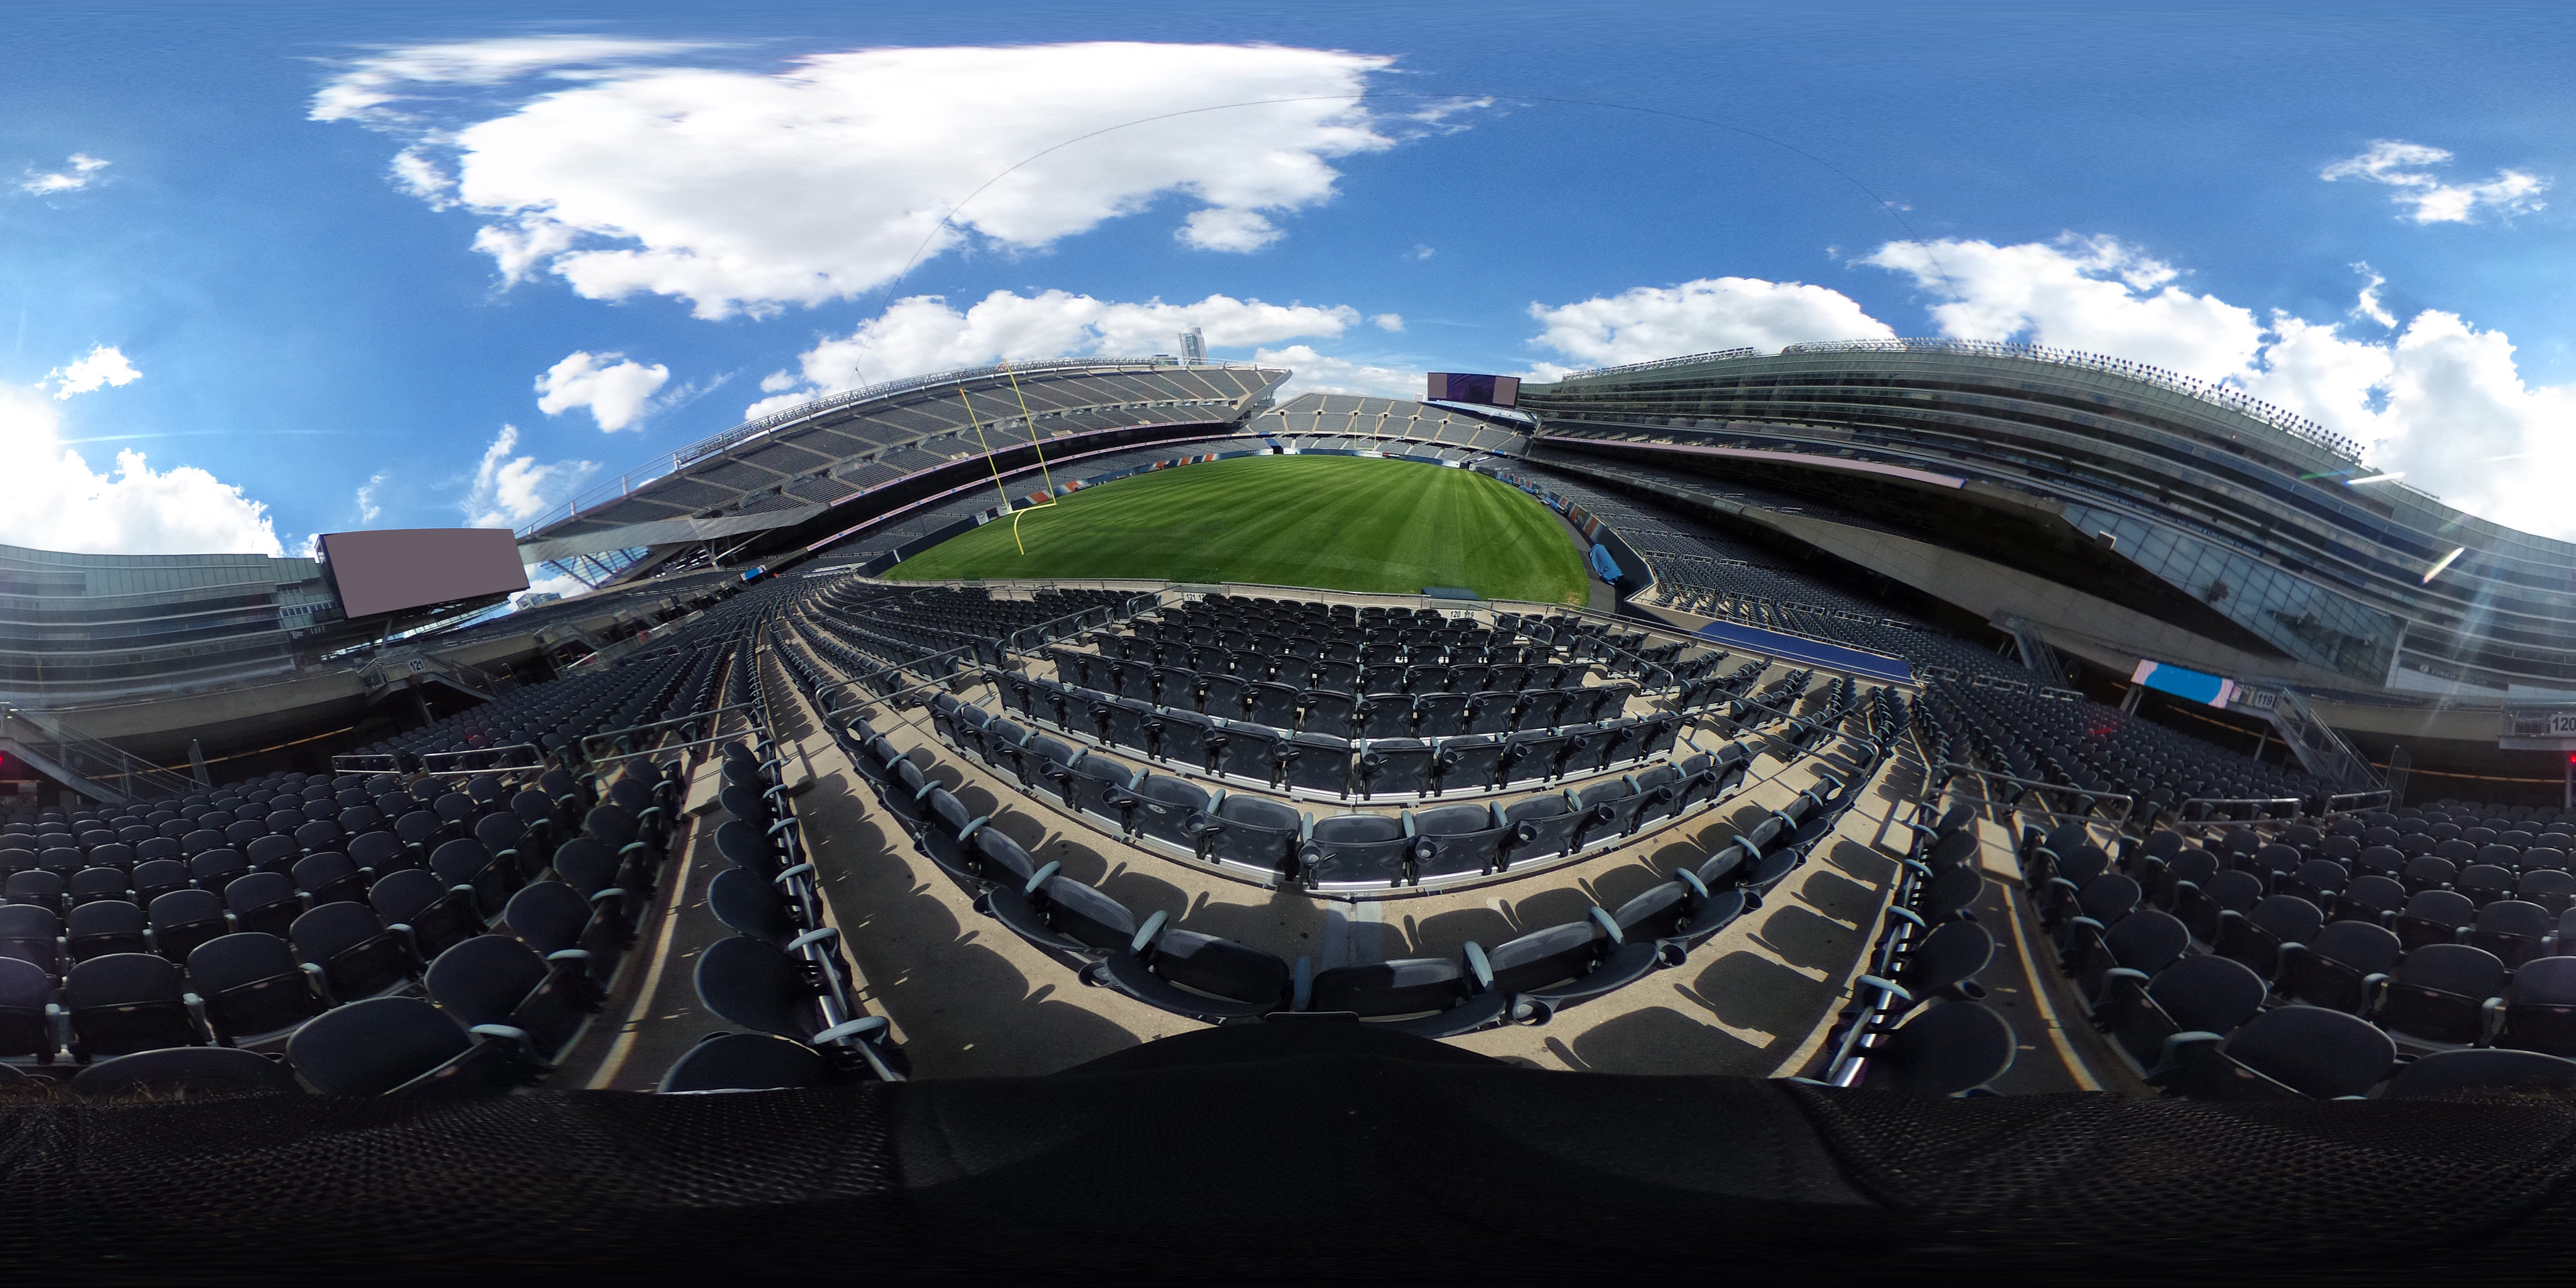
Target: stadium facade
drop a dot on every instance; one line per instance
(2118, 511)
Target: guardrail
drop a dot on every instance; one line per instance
(93, 760)
(350, 762)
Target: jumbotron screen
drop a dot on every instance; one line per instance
(1469, 387)
(394, 569)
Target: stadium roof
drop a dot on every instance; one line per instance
(785, 469)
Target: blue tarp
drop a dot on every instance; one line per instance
(1603, 566)
(1798, 648)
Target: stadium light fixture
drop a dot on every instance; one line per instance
(2389, 477)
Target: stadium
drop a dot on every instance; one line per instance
(1873, 799)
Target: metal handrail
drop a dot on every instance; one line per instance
(2246, 405)
(2297, 804)
(2128, 803)
(589, 738)
(339, 767)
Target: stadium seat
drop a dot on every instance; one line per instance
(2445, 993)
(1395, 767)
(1458, 840)
(433, 915)
(1198, 975)
(126, 1002)
(186, 1072)
(360, 957)
(252, 987)
(2287, 1053)
(403, 1046)
(1943, 1050)
(492, 979)
(2447, 1073)
(1355, 852)
(748, 1062)
(2341, 967)
(2198, 994)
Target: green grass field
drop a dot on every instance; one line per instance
(1327, 522)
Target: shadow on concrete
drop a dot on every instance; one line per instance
(1801, 938)
(1660, 1039)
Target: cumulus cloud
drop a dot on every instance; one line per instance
(80, 171)
(545, 580)
(1388, 321)
(924, 333)
(2441, 401)
(2426, 199)
(616, 392)
(2089, 293)
(103, 366)
(509, 490)
(56, 502)
(2445, 404)
(1323, 374)
(388, 86)
(2368, 306)
(368, 509)
(745, 191)
(1698, 317)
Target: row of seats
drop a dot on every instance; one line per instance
(2243, 970)
(781, 975)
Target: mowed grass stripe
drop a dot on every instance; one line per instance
(1329, 522)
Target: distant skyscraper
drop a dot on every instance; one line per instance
(1193, 348)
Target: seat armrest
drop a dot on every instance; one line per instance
(1886, 986)
(2179, 1047)
(1149, 932)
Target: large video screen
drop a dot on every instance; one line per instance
(2199, 686)
(394, 569)
(1469, 387)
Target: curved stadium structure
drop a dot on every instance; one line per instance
(1824, 892)
(2113, 511)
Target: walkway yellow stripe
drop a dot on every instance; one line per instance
(2039, 997)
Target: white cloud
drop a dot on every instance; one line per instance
(777, 402)
(775, 381)
(368, 509)
(543, 580)
(102, 366)
(56, 502)
(421, 177)
(1321, 374)
(1389, 321)
(2088, 293)
(923, 334)
(744, 191)
(615, 392)
(2403, 166)
(2441, 401)
(2368, 306)
(1698, 317)
(510, 490)
(1420, 251)
(369, 88)
(82, 172)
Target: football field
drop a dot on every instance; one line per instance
(1329, 522)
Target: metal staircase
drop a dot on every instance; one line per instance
(97, 769)
(2321, 750)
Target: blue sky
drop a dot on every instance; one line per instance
(330, 266)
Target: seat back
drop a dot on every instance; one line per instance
(373, 1047)
(2313, 1051)
(1942, 1051)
